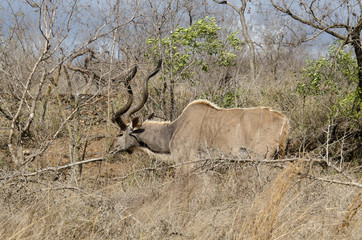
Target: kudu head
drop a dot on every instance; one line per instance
(129, 126)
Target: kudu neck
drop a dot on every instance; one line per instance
(155, 136)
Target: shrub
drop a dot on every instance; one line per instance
(335, 75)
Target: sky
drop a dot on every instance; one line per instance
(260, 22)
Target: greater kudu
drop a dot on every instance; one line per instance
(202, 126)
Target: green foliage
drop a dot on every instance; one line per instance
(187, 46)
(227, 99)
(336, 76)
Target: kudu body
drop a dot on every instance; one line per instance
(203, 127)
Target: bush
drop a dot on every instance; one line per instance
(334, 76)
(327, 86)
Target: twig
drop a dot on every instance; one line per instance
(53, 169)
(352, 183)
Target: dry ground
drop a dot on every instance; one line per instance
(135, 197)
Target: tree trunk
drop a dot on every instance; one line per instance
(358, 52)
(248, 39)
(241, 12)
(356, 43)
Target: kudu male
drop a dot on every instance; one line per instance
(203, 127)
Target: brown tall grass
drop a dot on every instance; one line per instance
(244, 202)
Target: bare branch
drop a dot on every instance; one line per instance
(53, 169)
(33, 104)
(23, 100)
(319, 33)
(228, 3)
(352, 183)
(46, 145)
(319, 26)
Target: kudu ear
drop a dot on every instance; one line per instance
(136, 123)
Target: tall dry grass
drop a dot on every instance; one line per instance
(244, 202)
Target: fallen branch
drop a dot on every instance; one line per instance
(56, 169)
(352, 183)
(53, 169)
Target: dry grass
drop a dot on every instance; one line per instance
(244, 202)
